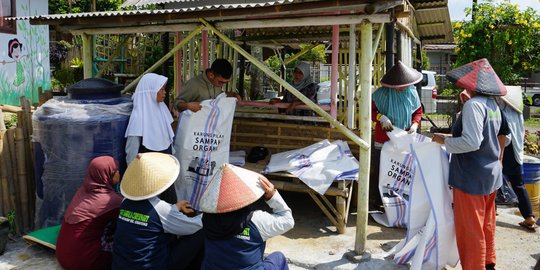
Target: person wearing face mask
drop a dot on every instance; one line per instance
(207, 85)
(302, 82)
(395, 104)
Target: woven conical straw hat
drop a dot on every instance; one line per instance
(149, 175)
(514, 98)
(230, 189)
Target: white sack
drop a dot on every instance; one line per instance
(430, 242)
(317, 165)
(202, 145)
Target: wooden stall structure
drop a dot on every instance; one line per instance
(353, 28)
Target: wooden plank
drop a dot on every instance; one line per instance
(280, 117)
(301, 187)
(325, 211)
(11, 109)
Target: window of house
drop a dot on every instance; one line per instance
(7, 9)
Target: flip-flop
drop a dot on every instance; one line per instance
(531, 227)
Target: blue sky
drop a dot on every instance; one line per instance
(456, 7)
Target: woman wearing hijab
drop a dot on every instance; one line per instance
(149, 128)
(85, 238)
(304, 84)
(395, 104)
(235, 231)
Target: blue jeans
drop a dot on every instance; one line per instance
(275, 261)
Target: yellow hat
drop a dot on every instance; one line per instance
(149, 175)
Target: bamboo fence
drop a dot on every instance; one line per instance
(17, 185)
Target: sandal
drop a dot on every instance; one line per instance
(530, 227)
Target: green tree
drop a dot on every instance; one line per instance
(76, 6)
(316, 54)
(508, 37)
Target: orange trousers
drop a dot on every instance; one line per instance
(474, 219)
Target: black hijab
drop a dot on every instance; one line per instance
(226, 225)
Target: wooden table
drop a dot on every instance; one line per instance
(337, 213)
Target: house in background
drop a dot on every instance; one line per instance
(441, 58)
(24, 51)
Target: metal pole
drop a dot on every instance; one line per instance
(164, 58)
(290, 88)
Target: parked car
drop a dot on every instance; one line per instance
(428, 97)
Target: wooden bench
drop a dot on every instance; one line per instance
(277, 133)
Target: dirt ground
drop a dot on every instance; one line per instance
(313, 243)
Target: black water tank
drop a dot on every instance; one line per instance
(94, 88)
(68, 132)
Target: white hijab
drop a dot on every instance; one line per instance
(149, 119)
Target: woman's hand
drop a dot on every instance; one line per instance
(293, 105)
(268, 188)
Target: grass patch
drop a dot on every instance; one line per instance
(532, 122)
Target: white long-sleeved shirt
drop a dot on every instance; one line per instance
(276, 223)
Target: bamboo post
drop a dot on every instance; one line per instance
(290, 88)
(365, 134)
(29, 157)
(2, 123)
(4, 194)
(12, 178)
(88, 58)
(22, 190)
(165, 57)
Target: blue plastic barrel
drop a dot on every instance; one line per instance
(531, 170)
(68, 133)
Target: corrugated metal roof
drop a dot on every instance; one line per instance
(194, 3)
(432, 17)
(150, 12)
(440, 47)
(433, 21)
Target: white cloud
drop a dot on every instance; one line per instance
(457, 7)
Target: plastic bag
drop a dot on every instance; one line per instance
(505, 194)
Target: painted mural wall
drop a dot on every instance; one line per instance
(24, 53)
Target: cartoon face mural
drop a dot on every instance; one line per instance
(15, 53)
(24, 56)
(14, 49)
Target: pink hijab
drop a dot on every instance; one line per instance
(96, 196)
